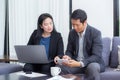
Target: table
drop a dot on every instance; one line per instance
(8, 60)
(5, 59)
(14, 76)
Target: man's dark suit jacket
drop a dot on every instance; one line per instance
(56, 44)
(92, 46)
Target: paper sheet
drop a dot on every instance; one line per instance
(60, 78)
(34, 74)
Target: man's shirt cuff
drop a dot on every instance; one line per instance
(82, 64)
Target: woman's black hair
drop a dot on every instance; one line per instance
(41, 18)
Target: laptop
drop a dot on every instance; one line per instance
(32, 54)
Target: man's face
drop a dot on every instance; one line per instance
(77, 25)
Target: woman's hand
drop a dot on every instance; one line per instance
(55, 59)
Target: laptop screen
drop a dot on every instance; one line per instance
(31, 54)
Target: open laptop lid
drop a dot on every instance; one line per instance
(31, 54)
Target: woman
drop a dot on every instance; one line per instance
(52, 40)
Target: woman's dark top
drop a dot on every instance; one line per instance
(55, 49)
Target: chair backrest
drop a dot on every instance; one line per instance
(114, 53)
(106, 50)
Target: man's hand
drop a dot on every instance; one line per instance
(66, 57)
(72, 63)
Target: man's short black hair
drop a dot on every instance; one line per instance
(79, 14)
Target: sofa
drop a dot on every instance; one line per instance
(6, 68)
(110, 57)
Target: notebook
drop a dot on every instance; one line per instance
(32, 54)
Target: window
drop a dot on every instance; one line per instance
(119, 17)
(23, 15)
(2, 26)
(100, 14)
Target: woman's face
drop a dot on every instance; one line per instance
(47, 25)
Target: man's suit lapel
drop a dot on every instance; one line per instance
(85, 40)
(77, 44)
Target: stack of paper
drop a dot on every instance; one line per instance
(60, 78)
(31, 75)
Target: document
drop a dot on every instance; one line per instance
(34, 74)
(60, 78)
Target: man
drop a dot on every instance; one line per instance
(84, 49)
